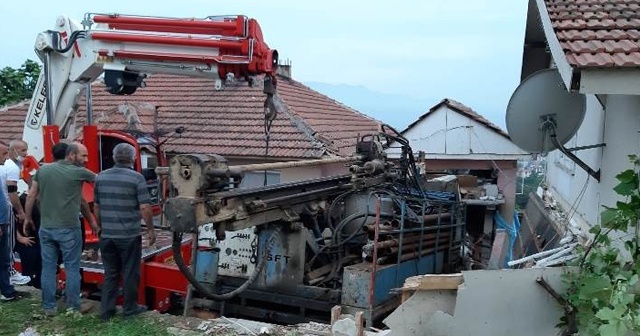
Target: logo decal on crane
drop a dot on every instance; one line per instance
(35, 116)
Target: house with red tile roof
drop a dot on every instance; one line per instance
(595, 47)
(453, 137)
(228, 122)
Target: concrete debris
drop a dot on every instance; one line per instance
(428, 312)
(264, 331)
(29, 332)
(204, 325)
(182, 332)
(347, 326)
(344, 327)
(313, 327)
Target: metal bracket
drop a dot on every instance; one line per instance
(554, 139)
(569, 311)
(574, 149)
(289, 215)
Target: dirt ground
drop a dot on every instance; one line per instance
(208, 323)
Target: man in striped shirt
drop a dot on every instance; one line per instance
(121, 199)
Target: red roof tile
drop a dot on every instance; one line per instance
(597, 33)
(227, 122)
(464, 110)
(12, 120)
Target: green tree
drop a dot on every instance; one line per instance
(18, 84)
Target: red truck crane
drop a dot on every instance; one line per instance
(123, 50)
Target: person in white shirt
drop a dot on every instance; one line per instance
(10, 173)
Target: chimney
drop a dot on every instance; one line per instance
(284, 69)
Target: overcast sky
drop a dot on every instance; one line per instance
(469, 50)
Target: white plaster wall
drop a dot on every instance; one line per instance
(445, 132)
(622, 127)
(429, 135)
(617, 125)
(568, 180)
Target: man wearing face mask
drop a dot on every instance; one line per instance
(11, 175)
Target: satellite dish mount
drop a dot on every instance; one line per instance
(548, 128)
(543, 100)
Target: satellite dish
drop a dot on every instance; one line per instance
(541, 105)
(543, 115)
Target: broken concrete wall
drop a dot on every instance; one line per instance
(489, 303)
(425, 313)
(508, 302)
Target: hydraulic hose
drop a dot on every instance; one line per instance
(182, 266)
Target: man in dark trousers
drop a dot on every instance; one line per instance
(58, 187)
(28, 243)
(7, 291)
(121, 199)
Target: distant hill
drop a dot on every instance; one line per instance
(399, 111)
(396, 110)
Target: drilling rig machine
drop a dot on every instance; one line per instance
(290, 252)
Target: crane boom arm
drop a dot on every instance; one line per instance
(127, 48)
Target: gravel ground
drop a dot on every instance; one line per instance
(210, 324)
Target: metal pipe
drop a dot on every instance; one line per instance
(302, 194)
(414, 238)
(539, 255)
(48, 85)
(557, 261)
(238, 169)
(88, 104)
(393, 224)
(395, 252)
(556, 255)
(437, 216)
(372, 284)
(413, 247)
(372, 227)
(294, 164)
(430, 228)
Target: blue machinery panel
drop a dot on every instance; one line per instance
(359, 288)
(207, 266)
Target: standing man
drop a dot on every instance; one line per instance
(11, 175)
(58, 186)
(28, 245)
(121, 198)
(7, 292)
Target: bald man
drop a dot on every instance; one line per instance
(58, 186)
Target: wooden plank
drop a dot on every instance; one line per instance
(336, 312)
(360, 323)
(406, 294)
(433, 282)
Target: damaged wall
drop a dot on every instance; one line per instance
(488, 303)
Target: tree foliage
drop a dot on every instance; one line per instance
(603, 293)
(18, 84)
